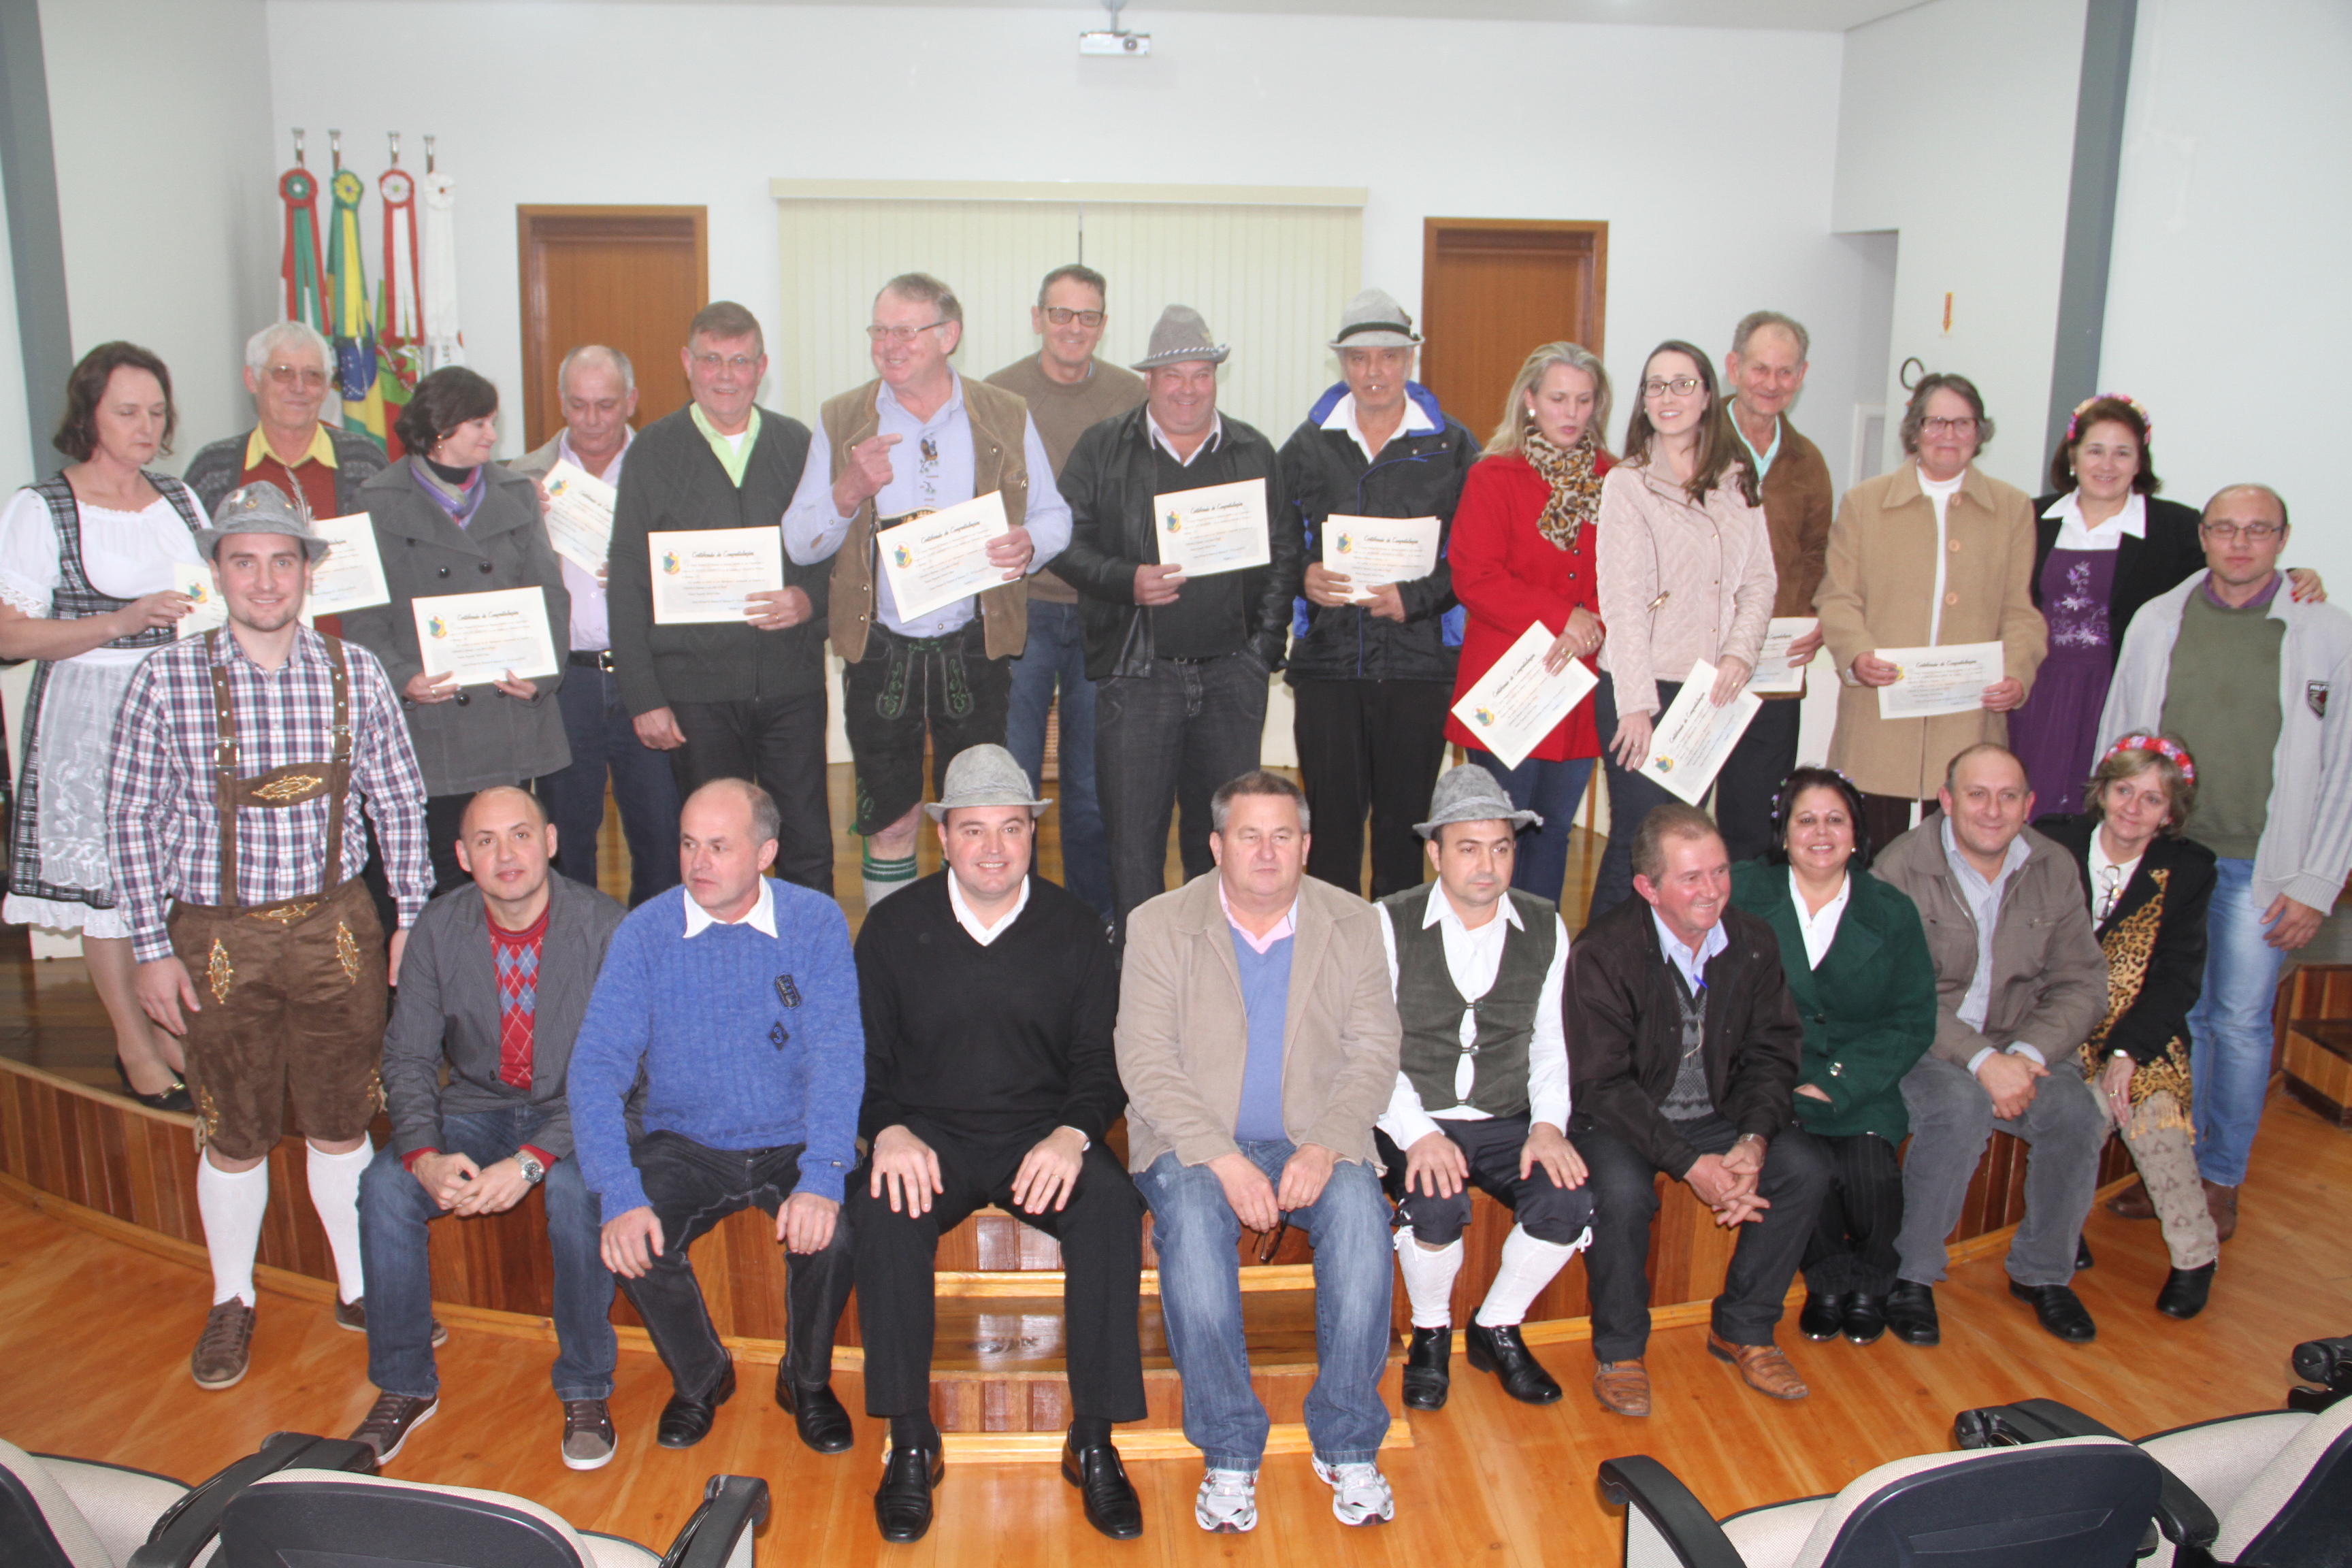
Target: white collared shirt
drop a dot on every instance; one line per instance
(1214, 439)
(1472, 959)
(761, 915)
(2109, 878)
(1342, 417)
(1692, 965)
(970, 921)
(1820, 928)
(2075, 534)
(1983, 900)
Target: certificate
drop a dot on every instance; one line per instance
(1773, 670)
(703, 575)
(578, 516)
(480, 638)
(942, 556)
(197, 582)
(1938, 679)
(350, 576)
(1518, 701)
(1377, 550)
(1220, 528)
(1692, 736)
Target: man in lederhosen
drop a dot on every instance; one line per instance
(242, 759)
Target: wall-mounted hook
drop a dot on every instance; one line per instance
(1902, 375)
(298, 149)
(335, 147)
(428, 153)
(393, 137)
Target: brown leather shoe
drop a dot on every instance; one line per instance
(2133, 1203)
(2221, 1202)
(1768, 1372)
(1622, 1386)
(224, 1349)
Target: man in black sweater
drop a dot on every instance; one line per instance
(732, 699)
(989, 997)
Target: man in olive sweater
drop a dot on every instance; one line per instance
(731, 699)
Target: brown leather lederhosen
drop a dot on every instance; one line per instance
(292, 991)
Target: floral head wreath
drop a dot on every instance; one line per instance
(2177, 753)
(2074, 420)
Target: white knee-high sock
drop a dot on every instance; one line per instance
(884, 877)
(232, 1207)
(1429, 1279)
(1528, 1267)
(335, 1194)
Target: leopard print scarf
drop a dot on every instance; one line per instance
(1575, 487)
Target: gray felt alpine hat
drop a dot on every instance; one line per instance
(1374, 320)
(257, 508)
(1469, 794)
(984, 775)
(1178, 335)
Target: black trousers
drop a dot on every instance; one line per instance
(778, 744)
(1625, 1199)
(1101, 1233)
(1544, 1209)
(1853, 1245)
(1753, 775)
(1368, 747)
(692, 1187)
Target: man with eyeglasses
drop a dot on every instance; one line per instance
(917, 439)
(731, 699)
(290, 368)
(2244, 673)
(1068, 388)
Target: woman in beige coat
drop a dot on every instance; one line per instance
(1936, 553)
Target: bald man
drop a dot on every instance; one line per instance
(494, 984)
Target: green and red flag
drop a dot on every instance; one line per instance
(352, 330)
(306, 298)
(399, 331)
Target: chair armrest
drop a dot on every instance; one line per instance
(1641, 1484)
(732, 1507)
(2185, 1519)
(183, 1533)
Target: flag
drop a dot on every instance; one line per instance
(437, 272)
(349, 329)
(399, 333)
(306, 301)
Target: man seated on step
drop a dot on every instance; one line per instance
(736, 998)
(990, 994)
(1481, 1097)
(1258, 1040)
(1683, 1056)
(493, 984)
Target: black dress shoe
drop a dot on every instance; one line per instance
(1911, 1313)
(1865, 1317)
(902, 1505)
(1428, 1369)
(2060, 1310)
(1501, 1351)
(1824, 1317)
(1112, 1506)
(686, 1422)
(816, 1414)
(2184, 1292)
(2082, 1258)
(175, 1098)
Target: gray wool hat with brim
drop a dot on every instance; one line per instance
(259, 508)
(1469, 794)
(984, 775)
(1178, 335)
(1374, 320)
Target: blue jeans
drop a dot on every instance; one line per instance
(394, 1210)
(1553, 791)
(2229, 1028)
(644, 787)
(1198, 1235)
(1056, 653)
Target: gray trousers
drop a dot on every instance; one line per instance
(1952, 1122)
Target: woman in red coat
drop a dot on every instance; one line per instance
(1522, 552)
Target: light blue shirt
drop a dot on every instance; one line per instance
(1983, 900)
(931, 467)
(1693, 965)
(1763, 459)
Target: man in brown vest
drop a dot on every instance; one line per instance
(918, 439)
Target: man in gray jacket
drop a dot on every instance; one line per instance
(496, 979)
(2020, 981)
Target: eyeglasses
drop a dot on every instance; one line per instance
(882, 334)
(1062, 316)
(742, 364)
(1681, 386)
(294, 375)
(2230, 532)
(1948, 426)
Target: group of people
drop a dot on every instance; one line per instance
(262, 828)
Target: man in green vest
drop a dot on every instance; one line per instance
(1482, 1089)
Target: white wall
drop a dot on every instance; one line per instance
(166, 189)
(2227, 316)
(1956, 128)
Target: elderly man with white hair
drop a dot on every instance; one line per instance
(289, 369)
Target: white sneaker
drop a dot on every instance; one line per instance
(1360, 1493)
(1227, 1504)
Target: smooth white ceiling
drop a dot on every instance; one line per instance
(1143, 15)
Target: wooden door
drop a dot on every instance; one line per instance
(631, 277)
(1493, 290)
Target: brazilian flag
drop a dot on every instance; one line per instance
(352, 326)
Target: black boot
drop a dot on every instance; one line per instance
(2184, 1292)
(1429, 1369)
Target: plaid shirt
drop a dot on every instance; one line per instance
(162, 801)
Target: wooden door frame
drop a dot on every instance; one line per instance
(536, 225)
(1587, 237)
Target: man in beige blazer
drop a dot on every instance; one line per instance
(1258, 1040)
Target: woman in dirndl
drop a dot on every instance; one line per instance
(92, 560)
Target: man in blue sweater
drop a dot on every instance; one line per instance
(736, 997)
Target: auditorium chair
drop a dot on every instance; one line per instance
(2081, 1502)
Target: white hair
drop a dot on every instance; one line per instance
(276, 336)
(614, 357)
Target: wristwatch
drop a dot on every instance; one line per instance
(533, 1171)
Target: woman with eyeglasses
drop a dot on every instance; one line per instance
(92, 563)
(2150, 890)
(1936, 553)
(1687, 575)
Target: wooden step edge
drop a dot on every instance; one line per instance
(1135, 1443)
(982, 1283)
